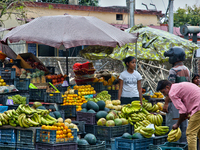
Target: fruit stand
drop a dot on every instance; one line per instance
(45, 113)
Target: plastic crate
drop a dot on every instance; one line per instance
(89, 118)
(139, 144)
(7, 73)
(6, 97)
(25, 138)
(9, 81)
(98, 86)
(61, 88)
(22, 84)
(70, 110)
(89, 128)
(169, 146)
(164, 120)
(7, 138)
(25, 147)
(158, 140)
(110, 132)
(98, 146)
(53, 98)
(110, 144)
(49, 136)
(81, 126)
(7, 148)
(114, 94)
(37, 94)
(61, 146)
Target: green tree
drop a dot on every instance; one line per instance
(189, 15)
(88, 2)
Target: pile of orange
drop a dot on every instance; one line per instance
(74, 99)
(84, 89)
(63, 132)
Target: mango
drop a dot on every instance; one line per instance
(118, 122)
(101, 122)
(110, 117)
(110, 123)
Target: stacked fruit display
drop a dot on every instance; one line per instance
(155, 119)
(84, 90)
(74, 99)
(157, 95)
(89, 139)
(161, 130)
(26, 116)
(174, 135)
(18, 99)
(104, 96)
(2, 83)
(150, 108)
(114, 104)
(93, 107)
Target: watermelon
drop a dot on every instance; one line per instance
(57, 114)
(106, 109)
(84, 105)
(92, 105)
(41, 107)
(90, 138)
(84, 110)
(101, 114)
(91, 111)
(137, 136)
(127, 136)
(52, 114)
(82, 142)
(101, 105)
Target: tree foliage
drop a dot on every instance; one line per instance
(88, 2)
(189, 15)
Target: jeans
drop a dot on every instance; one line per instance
(128, 100)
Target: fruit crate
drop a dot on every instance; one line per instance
(7, 148)
(98, 86)
(53, 98)
(98, 146)
(89, 118)
(25, 147)
(81, 126)
(9, 81)
(49, 136)
(164, 120)
(60, 146)
(37, 94)
(7, 73)
(110, 144)
(114, 94)
(7, 138)
(26, 137)
(14, 106)
(89, 128)
(169, 146)
(158, 140)
(110, 132)
(70, 110)
(61, 88)
(139, 144)
(22, 84)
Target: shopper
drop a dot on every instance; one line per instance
(195, 79)
(130, 82)
(186, 98)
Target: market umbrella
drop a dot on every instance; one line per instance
(7, 50)
(151, 45)
(70, 31)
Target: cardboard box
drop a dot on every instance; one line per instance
(24, 56)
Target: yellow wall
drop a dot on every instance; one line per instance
(109, 17)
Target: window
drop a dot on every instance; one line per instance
(45, 50)
(73, 52)
(119, 17)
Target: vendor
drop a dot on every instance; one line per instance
(185, 97)
(195, 79)
(130, 82)
(178, 73)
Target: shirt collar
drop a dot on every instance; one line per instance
(178, 64)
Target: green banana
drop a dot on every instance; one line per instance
(33, 122)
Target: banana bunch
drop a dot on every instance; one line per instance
(155, 119)
(161, 130)
(135, 106)
(149, 107)
(8, 117)
(146, 132)
(143, 123)
(135, 117)
(174, 135)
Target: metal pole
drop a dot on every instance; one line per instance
(67, 68)
(171, 16)
(132, 9)
(136, 55)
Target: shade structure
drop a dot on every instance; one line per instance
(70, 31)
(151, 45)
(7, 50)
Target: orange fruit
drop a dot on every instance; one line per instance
(69, 130)
(64, 135)
(57, 136)
(61, 127)
(69, 134)
(58, 128)
(59, 124)
(66, 127)
(62, 124)
(43, 126)
(71, 137)
(64, 131)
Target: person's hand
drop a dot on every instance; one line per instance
(175, 126)
(165, 108)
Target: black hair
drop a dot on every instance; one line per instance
(162, 84)
(128, 59)
(194, 76)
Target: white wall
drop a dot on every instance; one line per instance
(106, 3)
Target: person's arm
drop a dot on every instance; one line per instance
(182, 117)
(120, 88)
(165, 107)
(139, 90)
